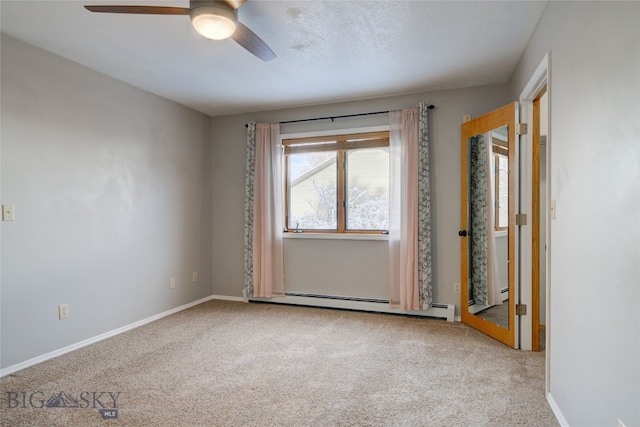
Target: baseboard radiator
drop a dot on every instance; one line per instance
(440, 311)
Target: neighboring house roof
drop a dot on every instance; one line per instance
(313, 171)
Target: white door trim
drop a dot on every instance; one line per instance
(539, 79)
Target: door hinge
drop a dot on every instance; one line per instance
(521, 309)
(521, 128)
(521, 219)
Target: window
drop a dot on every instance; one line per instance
(501, 171)
(337, 183)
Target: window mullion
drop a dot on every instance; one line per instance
(342, 185)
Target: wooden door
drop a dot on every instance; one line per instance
(488, 226)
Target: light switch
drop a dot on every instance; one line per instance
(8, 212)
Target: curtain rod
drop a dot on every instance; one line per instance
(332, 118)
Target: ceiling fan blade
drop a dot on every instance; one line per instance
(140, 10)
(235, 3)
(254, 44)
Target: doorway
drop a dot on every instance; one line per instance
(527, 228)
(536, 201)
(539, 220)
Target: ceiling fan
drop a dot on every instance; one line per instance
(213, 19)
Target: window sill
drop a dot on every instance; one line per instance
(335, 236)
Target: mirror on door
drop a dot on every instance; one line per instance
(487, 219)
(488, 226)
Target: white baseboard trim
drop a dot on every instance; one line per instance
(19, 366)
(556, 411)
(443, 311)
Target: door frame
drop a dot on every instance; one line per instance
(539, 81)
(535, 222)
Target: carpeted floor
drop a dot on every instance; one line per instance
(498, 314)
(236, 364)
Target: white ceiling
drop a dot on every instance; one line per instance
(327, 51)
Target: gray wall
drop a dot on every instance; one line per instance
(112, 192)
(229, 137)
(354, 268)
(595, 179)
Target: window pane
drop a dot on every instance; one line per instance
(368, 189)
(503, 191)
(312, 191)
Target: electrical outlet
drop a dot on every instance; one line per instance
(194, 277)
(8, 212)
(63, 311)
(466, 118)
(456, 288)
(172, 282)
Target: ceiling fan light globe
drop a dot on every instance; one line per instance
(213, 22)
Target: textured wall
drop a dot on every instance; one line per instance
(112, 192)
(229, 139)
(595, 179)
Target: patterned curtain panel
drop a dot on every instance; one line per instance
(248, 209)
(478, 219)
(425, 282)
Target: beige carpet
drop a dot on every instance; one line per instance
(236, 364)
